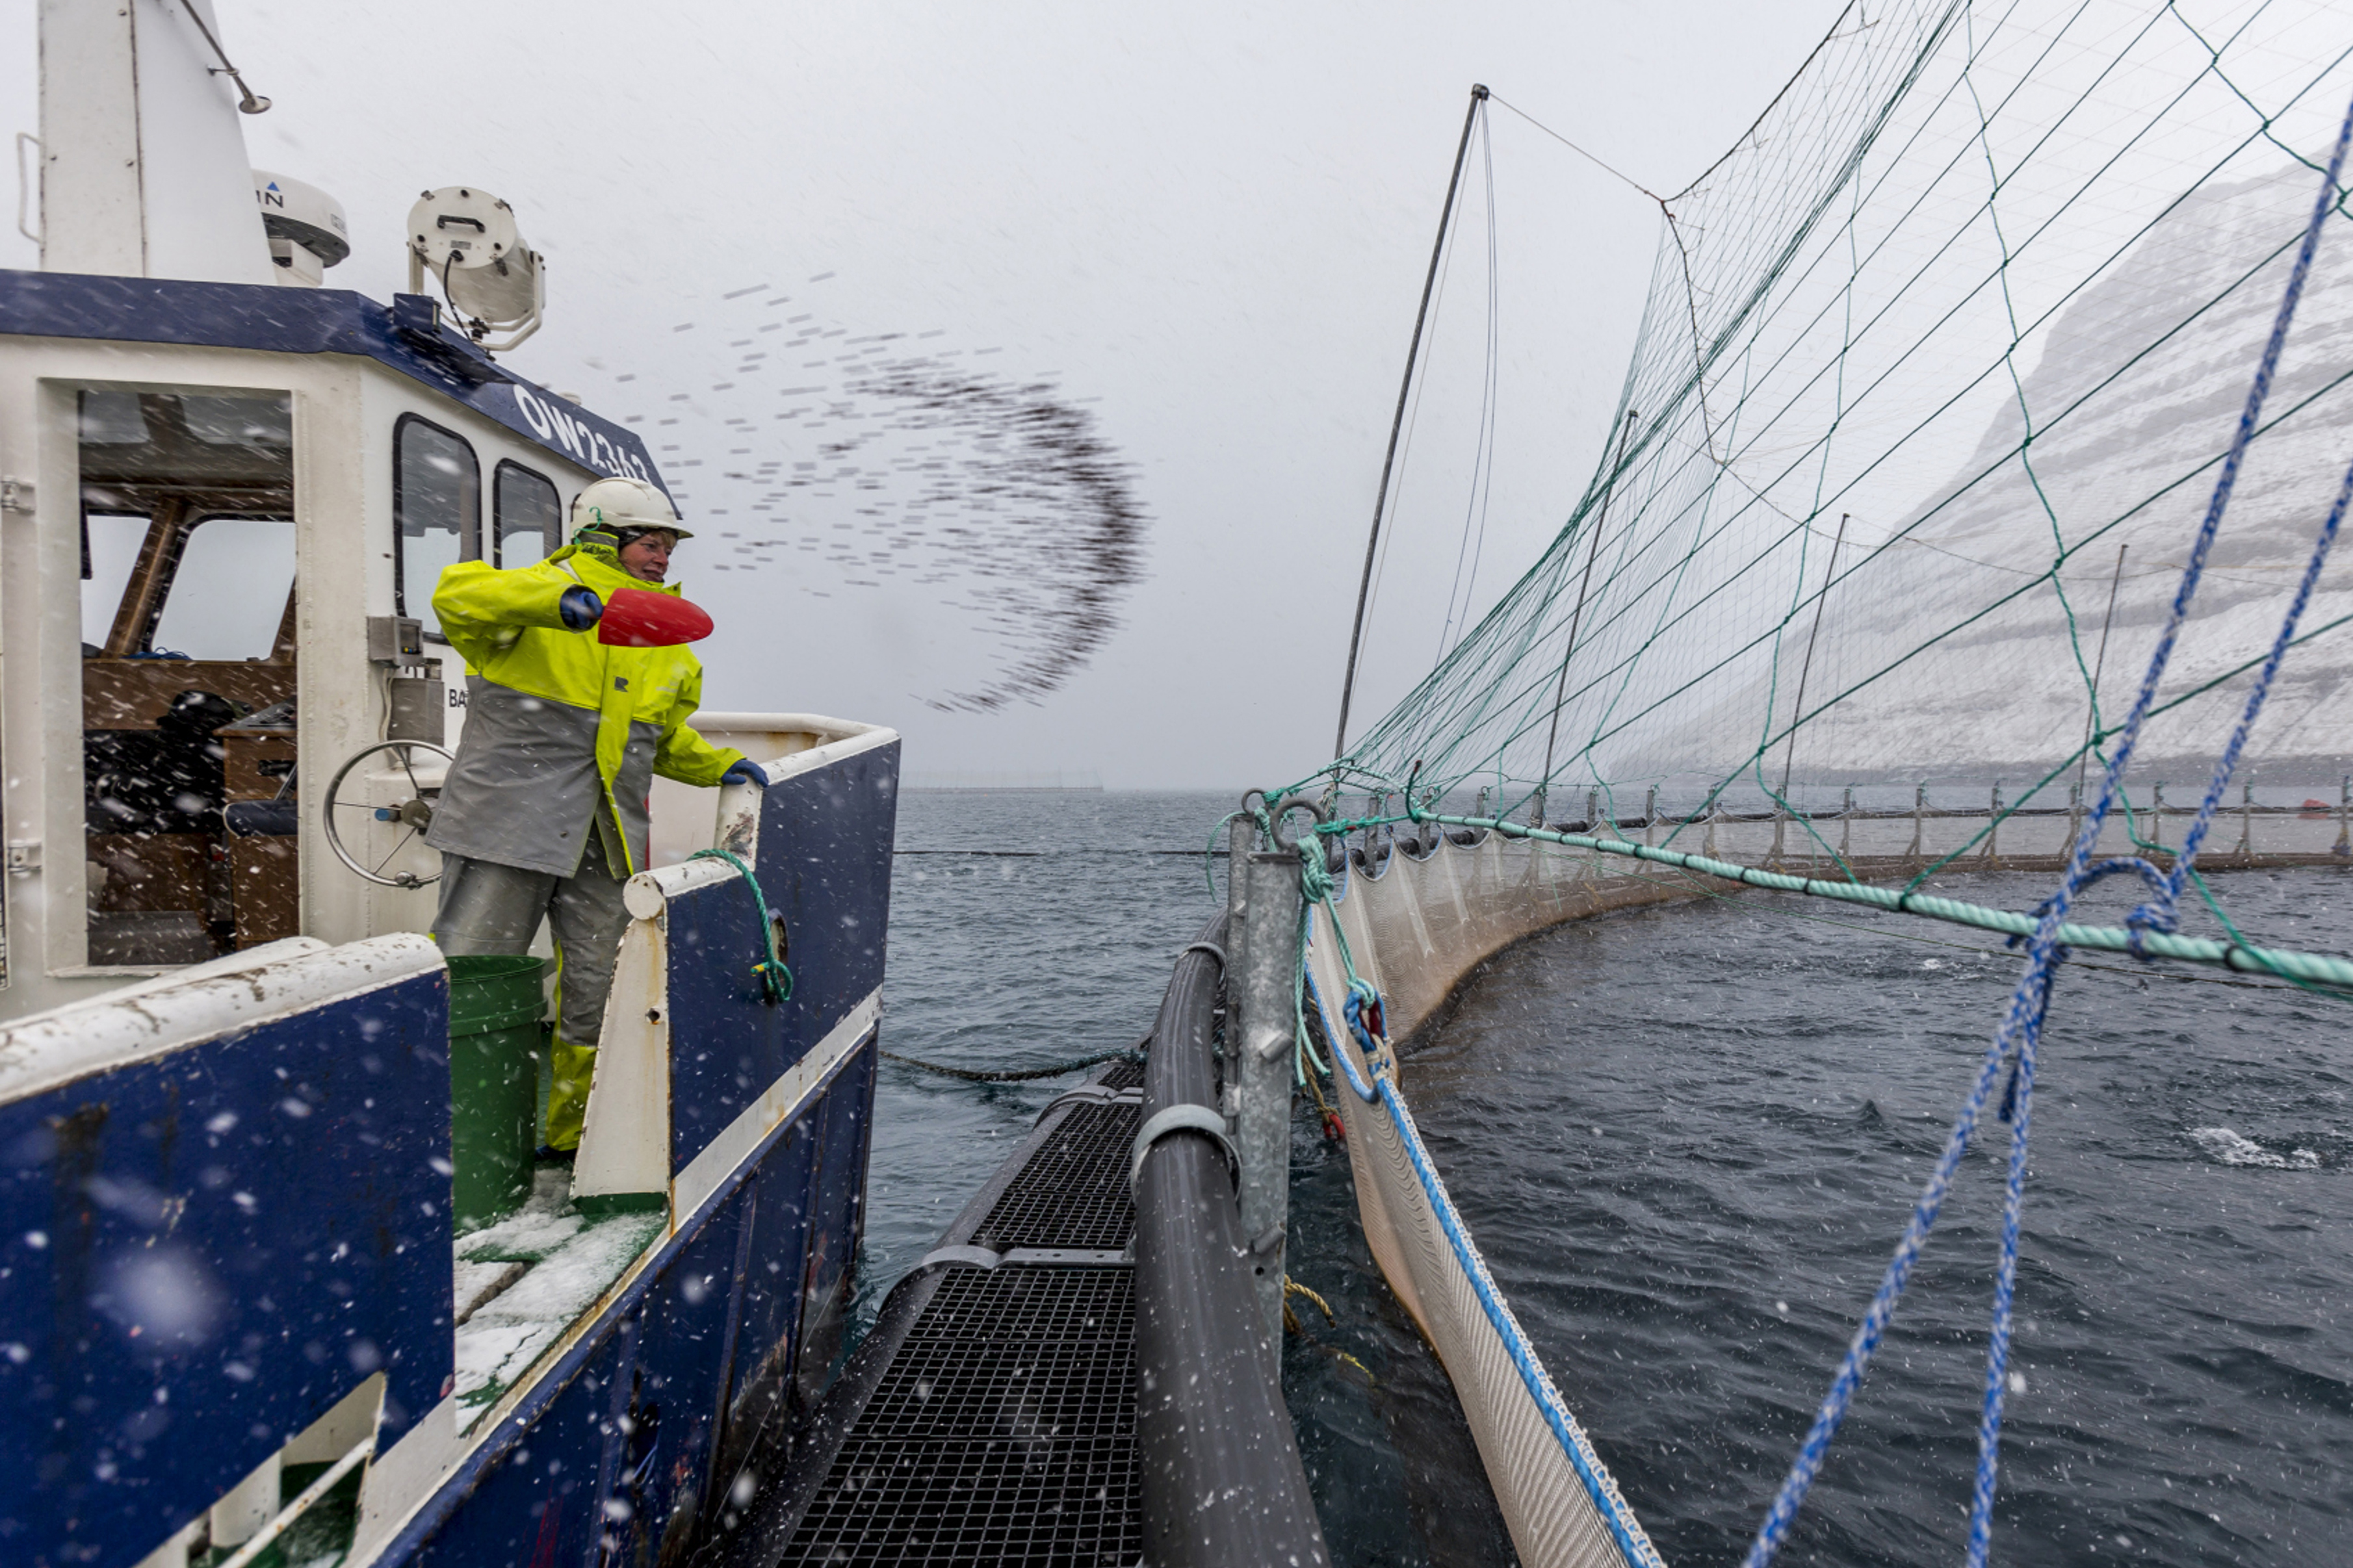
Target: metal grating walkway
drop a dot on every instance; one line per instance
(990, 1416)
(1004, 1432)
(1074, 1191)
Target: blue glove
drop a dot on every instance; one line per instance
(746, 771)
(581, 608)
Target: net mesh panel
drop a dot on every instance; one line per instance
(1974, 305)
(1933, 379)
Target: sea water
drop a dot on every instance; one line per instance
(1686, 1140)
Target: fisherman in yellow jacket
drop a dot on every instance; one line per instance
(545, 813)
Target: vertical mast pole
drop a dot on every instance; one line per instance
(2099, 664)
(1396, 422)
(1798, 709)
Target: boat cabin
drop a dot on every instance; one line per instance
(254, 1276)
(222, 547)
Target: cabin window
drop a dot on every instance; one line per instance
(239, 421)
(188, 672)
(208, 587)
(229, 597)
(436, 502)
(530, 517)
(187, 526)
(112, 419)
(110, 552)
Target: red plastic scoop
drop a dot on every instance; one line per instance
(636, 618)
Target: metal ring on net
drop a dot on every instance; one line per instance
(1305, 802)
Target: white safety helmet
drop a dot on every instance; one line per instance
(618, 507)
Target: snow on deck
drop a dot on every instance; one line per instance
(567, 1259)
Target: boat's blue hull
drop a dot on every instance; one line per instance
(612, 1455)
(210, 1238)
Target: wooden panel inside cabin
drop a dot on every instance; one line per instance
(265, 889)
(133, 693)
(255, 763)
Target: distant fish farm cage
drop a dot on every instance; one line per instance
(972, 783)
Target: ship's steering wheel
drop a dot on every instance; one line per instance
(416, 812)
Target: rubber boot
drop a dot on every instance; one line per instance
(567, 1095)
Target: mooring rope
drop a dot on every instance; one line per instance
(1019, 1075)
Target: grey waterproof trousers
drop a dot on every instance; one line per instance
(487, 908)
(490, 908)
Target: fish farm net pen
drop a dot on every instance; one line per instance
(1919, 469)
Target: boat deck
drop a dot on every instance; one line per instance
(990, 1416)
(521, 1282)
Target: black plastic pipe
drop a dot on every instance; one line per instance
(1222, 1481)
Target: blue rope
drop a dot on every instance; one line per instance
(1363, 1012)
(1599, 1484)
(2171, 892)
(1364, 1090)
(2020, 1032)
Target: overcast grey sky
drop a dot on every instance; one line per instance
(1209, 221)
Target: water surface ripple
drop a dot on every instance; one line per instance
(1686, 1140)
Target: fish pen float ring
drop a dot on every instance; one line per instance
(415, 813)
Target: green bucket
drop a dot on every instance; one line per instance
(494, 1009)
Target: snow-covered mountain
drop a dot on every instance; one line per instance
(2139, 384)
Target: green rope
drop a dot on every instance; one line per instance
(1316, 887)
(2321, 969)
(776, 980)
(2214, 906)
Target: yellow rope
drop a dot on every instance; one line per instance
(1294, 1288)
(1332, 1127)
(1290, 1320)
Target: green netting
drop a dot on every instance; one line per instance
(1934, 375)
(1935, 378)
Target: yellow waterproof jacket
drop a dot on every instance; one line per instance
(509, 630)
